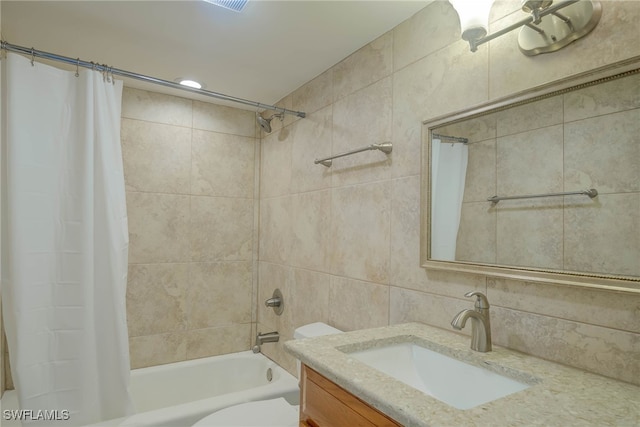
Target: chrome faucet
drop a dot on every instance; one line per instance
(263, 338)
(480, 322)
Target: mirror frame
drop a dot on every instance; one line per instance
(529, 274)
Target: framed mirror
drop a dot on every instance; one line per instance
(541, 186)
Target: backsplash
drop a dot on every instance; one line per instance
(343, 243)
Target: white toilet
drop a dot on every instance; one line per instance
(265, 413)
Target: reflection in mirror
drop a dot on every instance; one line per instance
(572, 142)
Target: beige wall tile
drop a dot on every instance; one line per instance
(275, 174)
(156, 157)
(219, 294)
(614, 39)
(603, 235)
(222, 164)
(480, 180)
(475, 130)
(314, 95)
(360, 230)
(405, 241)
(604, 153)
(535, 115)
(354, 304)
(158, 228)
(362, 119)
(433, 28)
(616, 310)
(369, 64)
(311, 140)
(530, 233)
(530, 162)
(216, 341)
(605, 98)
(477, 233)
(311, 220)
(156, 298)
(275, 229)
(605, 351)
(219, 118)
(221, 229)
(309, 293)
(156, 107)
(151, 350)
(407, 145)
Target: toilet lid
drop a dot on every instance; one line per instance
(262, 413)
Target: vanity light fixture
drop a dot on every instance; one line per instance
(549, 27)
(189, 83)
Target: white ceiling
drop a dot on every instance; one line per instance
(261, 54)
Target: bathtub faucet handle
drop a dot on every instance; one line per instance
(276, 301)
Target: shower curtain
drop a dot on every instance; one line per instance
(65, 244)
(448, 174)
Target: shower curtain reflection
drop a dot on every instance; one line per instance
(65, 243)
(449, 169)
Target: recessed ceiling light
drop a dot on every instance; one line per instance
(190, 83)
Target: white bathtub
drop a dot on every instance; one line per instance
(179, 394)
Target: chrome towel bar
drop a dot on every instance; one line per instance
(591, 193)
(385, 147)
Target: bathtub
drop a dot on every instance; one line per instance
(179, 394)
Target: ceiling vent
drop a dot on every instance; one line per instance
(235, 5)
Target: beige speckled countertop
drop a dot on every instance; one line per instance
(559, 396)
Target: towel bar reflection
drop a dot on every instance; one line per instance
(591, 193)
(385, 147)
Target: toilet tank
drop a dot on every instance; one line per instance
(317, 329)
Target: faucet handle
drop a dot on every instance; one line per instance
(481, 300)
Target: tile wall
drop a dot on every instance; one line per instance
(343, 243)
(189, 176)
(580, 140)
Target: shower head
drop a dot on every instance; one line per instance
(265, 124)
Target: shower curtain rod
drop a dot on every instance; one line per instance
(115, 71)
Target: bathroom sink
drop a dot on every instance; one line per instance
(449, 380)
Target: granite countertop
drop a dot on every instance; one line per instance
(559, 395)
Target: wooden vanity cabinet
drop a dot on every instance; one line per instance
(326, 404)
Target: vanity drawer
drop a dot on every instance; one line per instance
(325, 404)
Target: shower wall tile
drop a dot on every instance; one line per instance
(605, 98)
(221, 229)
(480, 180)
(156, 298)
(152, 350)
(219, 118)
(156, 107)
(216, 341)
(156, 157)
(158, 228)
(309, 302)
(367, 65)
(604, 153)
(314, 95)
(276, 160)
(603, 234)
(433, 28)
(354, 304)
(311, 140)
(219, 294)
(222, 164)
(361, 119)
(360, 230)
(275, 229)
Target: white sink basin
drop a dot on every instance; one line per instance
(449, 380)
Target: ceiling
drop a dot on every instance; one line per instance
(261, 54)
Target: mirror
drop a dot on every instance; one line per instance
(543, 185)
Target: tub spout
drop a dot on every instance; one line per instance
(263, 338)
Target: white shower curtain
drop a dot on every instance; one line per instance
(448, 174)
(65, 243)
